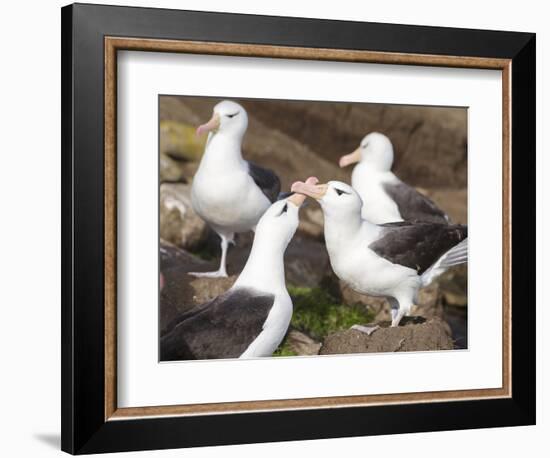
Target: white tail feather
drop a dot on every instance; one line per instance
(455, 256)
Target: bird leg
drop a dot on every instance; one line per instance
(221, 272)
(404, 307)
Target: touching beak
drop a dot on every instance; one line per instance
(311, 189)
(297, 198)
(211, 125)
(350, 158)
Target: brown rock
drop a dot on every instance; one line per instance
(429, 304)
(302, 344)
(306, 260)
(375, 304)
(453, 201)
(428, 335)
(179, 224)
(312, 222)
(454, 286)
(181, 291)
(429, 142)
(170, 170)
(264, 144)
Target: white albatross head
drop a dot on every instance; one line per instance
(375, 150)
(280, 221)
(227, 117)
(337, 199)
(264, 269)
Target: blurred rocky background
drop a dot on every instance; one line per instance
(297, 140)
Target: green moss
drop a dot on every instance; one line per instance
(179, 140)
(284, 350)
(318, 313)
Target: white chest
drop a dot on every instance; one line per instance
(274, 329)
(378, 207)
(228, 198)
(362, 269)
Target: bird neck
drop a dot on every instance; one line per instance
(264, 269)
(341, 232)
(373, 170)
(223, 151)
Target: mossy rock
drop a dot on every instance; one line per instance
(285, 350)
(318, 313)
(178, 140)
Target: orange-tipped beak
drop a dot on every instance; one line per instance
(309, 188)
(350, 158)
(298, 199)
(211, 125)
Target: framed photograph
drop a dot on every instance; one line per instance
(271, 222)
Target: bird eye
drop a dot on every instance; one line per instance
(285, 208)
(339, 191)
(365, 145)
(232, 115)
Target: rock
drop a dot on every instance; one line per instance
(457, 318)
(312, 222)
(264, 144)
(297, 139)
(433, 334)
(429, 143)
(170, 170)
(302, 344)
(179, 224)
(181, 291)
(454, 286)
(453, 201)
(429, 304)
(306, 262)
(375, 304)
(178, 140)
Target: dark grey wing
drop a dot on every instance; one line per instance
(222, 328)
(417, 245)
(266, 180)
(413, 206)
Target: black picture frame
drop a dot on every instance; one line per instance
(84, 428)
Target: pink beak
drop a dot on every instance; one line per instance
(211, 125)
(310, 188)
(350, 158)
(298, 199)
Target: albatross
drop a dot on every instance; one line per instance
(385, 197)
(392, 260)
(228, 192)
(250, 319)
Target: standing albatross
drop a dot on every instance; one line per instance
(252, 317)
(392, 260)
(229, 193)
(386, 198)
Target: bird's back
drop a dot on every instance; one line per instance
(221, 328)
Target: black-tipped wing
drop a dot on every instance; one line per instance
(417, 245)
(266, 180)
(413, 206)
(221, 328)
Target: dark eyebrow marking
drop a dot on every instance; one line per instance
(233, 115)
(285, 208)
(340, 191)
